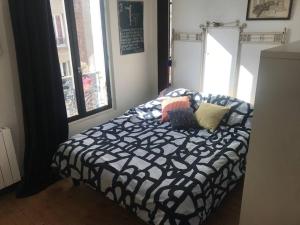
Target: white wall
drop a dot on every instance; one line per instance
(10, 99)
(133, 77)
(189, 14)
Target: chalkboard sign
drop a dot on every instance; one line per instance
(131, 26)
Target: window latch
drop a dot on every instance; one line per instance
(79, 70)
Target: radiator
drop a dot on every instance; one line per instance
(9, 168)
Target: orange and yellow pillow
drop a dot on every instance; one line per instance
(208, 115)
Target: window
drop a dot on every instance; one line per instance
(82, 49)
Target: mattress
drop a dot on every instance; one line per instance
(164, 176)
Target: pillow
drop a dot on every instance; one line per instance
(173, 103)
(209, 115)
(183, 119)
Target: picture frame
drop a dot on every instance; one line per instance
(131, 27)
(269, 9)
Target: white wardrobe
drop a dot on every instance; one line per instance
(272, 184)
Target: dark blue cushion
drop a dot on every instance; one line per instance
(183, 119)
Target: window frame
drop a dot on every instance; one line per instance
(75, 60)
(63, 33)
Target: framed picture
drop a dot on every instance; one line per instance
(269, 9)
(131, 27)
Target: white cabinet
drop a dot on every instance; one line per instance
(272, 183)
(9, 169)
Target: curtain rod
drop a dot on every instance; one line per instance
(232, 24)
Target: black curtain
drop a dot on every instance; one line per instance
(163, 43)
(45, 118)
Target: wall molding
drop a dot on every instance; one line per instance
(264, 37)
(186, 36)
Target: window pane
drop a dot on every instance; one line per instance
(64, 54)
(91, 51)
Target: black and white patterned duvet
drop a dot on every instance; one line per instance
(164, 176)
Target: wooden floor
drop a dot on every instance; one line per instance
(63, 204)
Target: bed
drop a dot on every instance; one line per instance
(163, 176)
